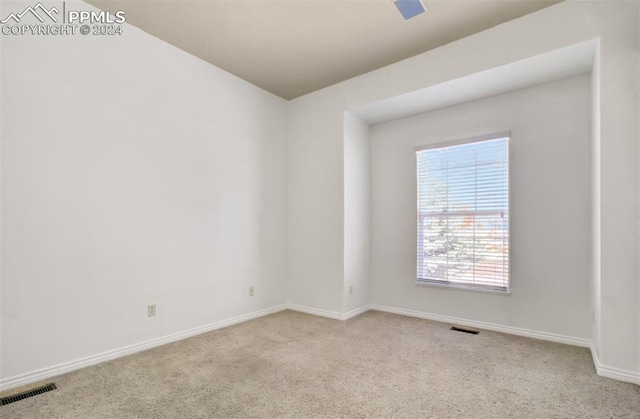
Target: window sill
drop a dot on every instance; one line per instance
(462, 288)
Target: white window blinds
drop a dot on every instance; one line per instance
(463, 214)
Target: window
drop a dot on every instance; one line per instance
(463, 214)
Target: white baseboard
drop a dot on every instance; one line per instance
(355, 312)
(315, 311)
(615, 373)
(552, 337)
(329, 314)
(568, 340)
(44, 373)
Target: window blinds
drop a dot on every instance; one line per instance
(463, 214)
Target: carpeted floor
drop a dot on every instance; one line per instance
(376, 365)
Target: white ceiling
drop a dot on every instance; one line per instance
(293, 47)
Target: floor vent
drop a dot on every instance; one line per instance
(460, 329)
(27, 394)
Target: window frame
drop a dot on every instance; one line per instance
(456, 286)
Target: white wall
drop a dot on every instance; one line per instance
(550, 207)
(1, 129)
(315, 147)
(357, 243)
(315, 205)
(619, 185)
(132, 173)
(596, 198)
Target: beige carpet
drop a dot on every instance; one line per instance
(376, 365)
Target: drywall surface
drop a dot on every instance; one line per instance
(132, 173)
(549, 205)
(1, 129)
(357, 242)
(596, 198)
(315, 175)
(315, 197)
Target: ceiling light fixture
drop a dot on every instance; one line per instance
(410, 8)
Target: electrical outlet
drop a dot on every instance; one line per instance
(251, 291)
(350, 289)
(151, 310)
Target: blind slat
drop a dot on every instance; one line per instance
(463, 214)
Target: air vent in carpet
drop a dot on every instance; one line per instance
(462, 329)
(26, 394)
